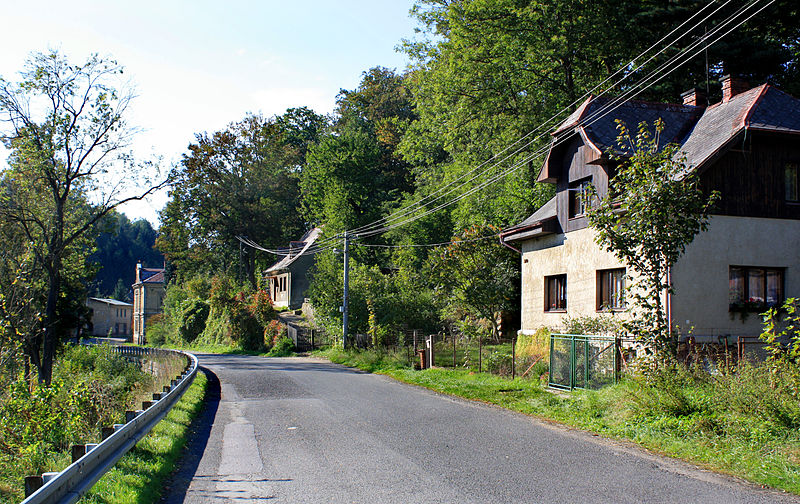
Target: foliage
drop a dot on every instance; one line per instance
(652, 211)
(91, 388)
(242, 181)
(601, 325)
(476, 274)
(67, 136)
(284, 347)
(534, 346)
(273, 333)
(194, 313)
(782, 337)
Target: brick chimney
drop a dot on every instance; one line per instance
(695, 97)
(731, 86)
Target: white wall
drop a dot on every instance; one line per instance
(701, 276)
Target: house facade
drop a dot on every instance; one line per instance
(747, 147)
(288, 278)
(148, 299)
(110, 317)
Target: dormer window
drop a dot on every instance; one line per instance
(579, 195)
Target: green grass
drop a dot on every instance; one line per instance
(139, 476)
(736, 424)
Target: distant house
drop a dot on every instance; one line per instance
(148, 299)
(110, 317)
(747, 147)
(288, 278)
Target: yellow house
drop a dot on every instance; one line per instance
(148, 299)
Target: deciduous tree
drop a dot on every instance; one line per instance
(653, 210)
(69, 166)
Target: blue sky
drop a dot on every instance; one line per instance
(198, 66)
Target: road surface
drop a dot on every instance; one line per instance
(299, 430)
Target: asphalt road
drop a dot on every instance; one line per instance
(303, 431)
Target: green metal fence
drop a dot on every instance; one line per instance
(582, 361)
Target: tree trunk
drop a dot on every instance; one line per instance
(50, 323)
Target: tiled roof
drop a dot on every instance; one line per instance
(702, 133)
(295, 250)
(151, 275)
(156, 277)
(598, 118)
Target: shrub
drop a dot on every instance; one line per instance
(602, 325)
(273, 333)
(283, 348)
(193, 319)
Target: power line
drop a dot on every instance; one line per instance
(652, 78)
(405, 211)
(595, 116)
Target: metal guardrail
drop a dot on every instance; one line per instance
(77, 479)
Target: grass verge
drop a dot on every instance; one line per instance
(139, 476)
(732, 424)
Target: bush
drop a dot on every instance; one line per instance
(601, 325)
(273, 333)
(91, 387)
(283, 348)
(193, 319)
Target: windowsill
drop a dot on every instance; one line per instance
(576, 217)
(612, 310)
(555, 311)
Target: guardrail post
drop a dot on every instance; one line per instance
(78, 451)
(146, 404)
(156, 396)
(130, 415)
(106, 432)
(167, 388)
(32, 483)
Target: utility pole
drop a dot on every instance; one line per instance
(346, 290)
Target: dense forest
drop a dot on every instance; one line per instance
(120, 245)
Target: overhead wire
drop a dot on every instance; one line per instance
(411, 208)
(654, 76)
(414, 206)
(601, 112)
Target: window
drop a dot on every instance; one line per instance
(754, 288)
(124, 328)
(579, 195)
(611, 289)
(555, 293)
(792, 182)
